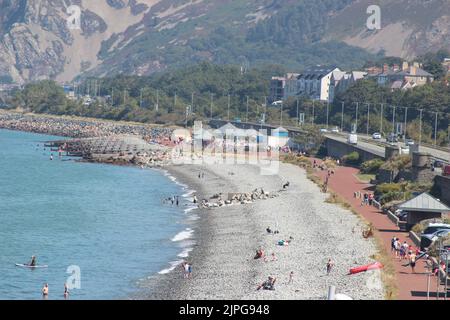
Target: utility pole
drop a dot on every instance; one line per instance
(112, 97)
(313, 113)
(357, 107)
(175, 102)
(124, 96)
(406, 122)
(229, 104)
(298, 114)
(381, 119)
(281, 115)
(446, 274)
(328, 112)
(140, 98)
(420, 128)
(435, 128)
(393, 120)
(342, 116)
(368, 118)
(157, 100)
(211, 106)
(246, 118)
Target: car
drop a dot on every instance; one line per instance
(392, 138)
(433, 227)
(438, 164)
(427, 240)
(404, 150)
(352, 138)
(403, 216)
(335, 130)
(376, 136)
(446, 171)
(409, 142)
(323, 130)
(277, 103)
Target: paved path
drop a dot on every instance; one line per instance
(410, 286)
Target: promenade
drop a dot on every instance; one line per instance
(411, 286)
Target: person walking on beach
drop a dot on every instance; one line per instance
(330, 265)
(178, 202)
(45, 291)
(190, 271)
(185, 267)
(291, 277)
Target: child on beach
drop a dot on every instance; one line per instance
(330, 265)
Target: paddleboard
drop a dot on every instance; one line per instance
(30, 267)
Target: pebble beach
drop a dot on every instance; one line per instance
(228, 237)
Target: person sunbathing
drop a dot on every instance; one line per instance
(269, 284)
(259, 254)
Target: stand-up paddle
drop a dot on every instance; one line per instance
(30, 267)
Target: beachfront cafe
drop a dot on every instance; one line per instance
(423, 207)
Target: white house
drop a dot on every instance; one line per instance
(315, 82)
(341, 81)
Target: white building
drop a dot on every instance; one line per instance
(315, 82)
(341, 81)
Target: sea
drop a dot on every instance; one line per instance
(100, 229)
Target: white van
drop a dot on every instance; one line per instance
(352, 138)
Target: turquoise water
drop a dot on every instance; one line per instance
(109, 221)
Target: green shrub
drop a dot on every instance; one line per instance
(398, 163)
(352, 158)
(371, 166)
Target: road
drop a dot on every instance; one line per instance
(378, 146)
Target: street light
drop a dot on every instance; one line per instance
(381, 119)
(368, 117)
(406, 122)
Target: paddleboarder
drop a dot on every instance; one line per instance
(33, 261)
